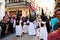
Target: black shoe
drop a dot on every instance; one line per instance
(17, 35)
(41, 39)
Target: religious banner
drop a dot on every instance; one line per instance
(32, 7)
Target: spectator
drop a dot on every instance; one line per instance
(18, 26)
(3, 26)
(11, 21)
(53, 22)
(43, 31)
(55, 35)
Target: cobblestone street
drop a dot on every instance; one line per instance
(24, 37)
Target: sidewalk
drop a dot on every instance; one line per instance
(24, 37)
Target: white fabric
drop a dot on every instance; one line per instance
(14, 24)
(18, 30)
(38, 22)
(27, 21)
(31, 29)
(0, 27)
(43, 33)
(38, 32)
(35, 24)
(25, 28)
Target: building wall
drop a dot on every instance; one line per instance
(2, 8)
(24, 8)
(25, 11)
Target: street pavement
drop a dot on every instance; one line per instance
(24, 37)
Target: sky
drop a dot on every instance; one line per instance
(46, 3)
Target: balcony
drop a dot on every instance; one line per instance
(17, 4)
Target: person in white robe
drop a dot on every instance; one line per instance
(31, 29)
(38, 29)
(35, 24)
(19, 29)
(24, 28)
(43, 31)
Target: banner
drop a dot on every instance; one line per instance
(32, 7)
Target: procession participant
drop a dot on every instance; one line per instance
(24, 28)
(31, 28)
(43, 31)
(38, 28)
(35, 24)
(43, 16)
(25, 25)
(18, 26)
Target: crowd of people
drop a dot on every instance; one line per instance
(36, 25)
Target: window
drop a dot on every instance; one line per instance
(20, 13)
(11, 1)
(14, 1)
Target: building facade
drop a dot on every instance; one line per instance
(2, 9)
(15, 6)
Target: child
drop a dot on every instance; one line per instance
(43, 31)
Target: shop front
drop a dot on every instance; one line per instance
(24, 11)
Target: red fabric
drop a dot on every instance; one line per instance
(11, 14)
(32, 7)
(55, 35)
(4, 19)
